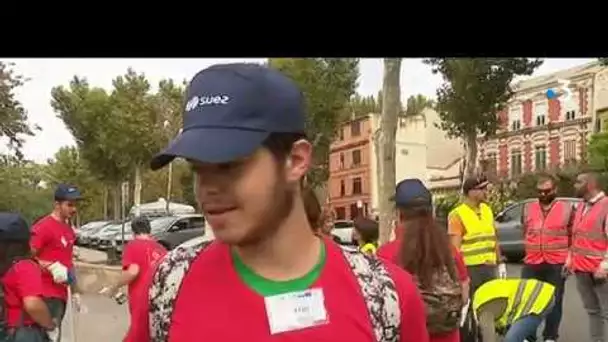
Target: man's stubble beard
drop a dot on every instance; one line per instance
(282, 202)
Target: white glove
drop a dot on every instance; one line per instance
(59, 272)
(53, 335)
(463, 313)
(502, 271)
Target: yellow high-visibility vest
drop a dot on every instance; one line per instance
(479, 241)
(524, 297)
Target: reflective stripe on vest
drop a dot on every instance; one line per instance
(589, 241)
(479, 241)
(524, 297)
(547, 237)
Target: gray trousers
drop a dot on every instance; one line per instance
(594, 295)
(480, 274)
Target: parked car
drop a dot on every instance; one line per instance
(85, 232)
(510, 228)
(343, 232)
(170, 231)
(206, 237)
(103, 240)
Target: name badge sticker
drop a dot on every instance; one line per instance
(295, 310)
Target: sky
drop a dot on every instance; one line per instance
(44, 74)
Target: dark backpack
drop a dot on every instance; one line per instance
(443, 303)
(377, 287)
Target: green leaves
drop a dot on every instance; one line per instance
(598, 151)
(13, 117)
(603, 61)
(327, 84)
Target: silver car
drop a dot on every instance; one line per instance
(343, 232)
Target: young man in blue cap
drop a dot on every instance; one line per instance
(52, 243)
(244, 137)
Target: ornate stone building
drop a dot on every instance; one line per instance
(537, 133)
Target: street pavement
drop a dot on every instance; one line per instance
(103, 321)
(106, 321)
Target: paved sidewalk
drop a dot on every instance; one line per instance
(104, 321)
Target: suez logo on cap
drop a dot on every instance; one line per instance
(199, 101)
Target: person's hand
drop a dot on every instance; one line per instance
(566, 271)
(600, 273)
(53, 334)
(502, 270)
(59, 272)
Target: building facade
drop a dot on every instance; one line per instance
(537, 133)
(353, 173)
(349, 185)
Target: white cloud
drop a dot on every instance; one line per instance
(416, 78)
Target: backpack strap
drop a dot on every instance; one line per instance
(165, 287)
(379, 292)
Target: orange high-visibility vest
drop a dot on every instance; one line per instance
(547, 237)
(589, 241)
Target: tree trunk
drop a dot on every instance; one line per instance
(385, 144)
(105, 200)
(117, 199)
(471, 141)
(137, 190)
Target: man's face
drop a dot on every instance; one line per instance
(246, 200)
(479, 193)
(581, 185)
(67, 209)
(546, 192)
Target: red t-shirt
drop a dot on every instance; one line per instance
(390, 252)
(213, 300)
(143, 253)
(23, 279)
(54, 242)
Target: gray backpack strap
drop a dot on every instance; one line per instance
(165, 288)
(379, 292)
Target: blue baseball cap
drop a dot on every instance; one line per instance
(13, 227)
(412, 192)
(230, 110)
(67, 192)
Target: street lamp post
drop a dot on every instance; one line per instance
(170, 170)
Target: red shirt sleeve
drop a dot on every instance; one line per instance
(461, 268)
(29, 279)
(139, 330)
(413, 316)
(39, 237)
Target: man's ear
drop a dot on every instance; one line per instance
(299, 160)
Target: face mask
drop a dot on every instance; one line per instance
(546, 199)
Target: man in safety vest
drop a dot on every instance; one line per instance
(472, 231)
(547, 224)
(514, 307)
(588, 257)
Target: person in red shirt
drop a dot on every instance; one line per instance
(26, 316)
(418, 242)
(267, 273)
(52, 244)
(138, 258)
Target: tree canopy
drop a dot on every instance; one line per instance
(327, 84)
(14, 124)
